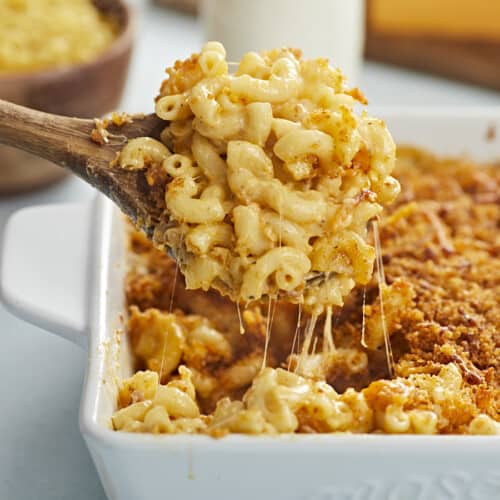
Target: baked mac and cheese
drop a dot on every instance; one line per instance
(441, 311)
(272, 176)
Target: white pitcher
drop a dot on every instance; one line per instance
(321, 28)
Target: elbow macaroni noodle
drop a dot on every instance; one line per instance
(280, 401)
(273, 176)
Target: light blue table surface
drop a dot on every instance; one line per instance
(42, 454)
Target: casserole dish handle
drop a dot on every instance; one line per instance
(44, 269)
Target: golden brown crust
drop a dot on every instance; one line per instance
(441, 254)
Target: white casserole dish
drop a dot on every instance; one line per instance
(63, 269)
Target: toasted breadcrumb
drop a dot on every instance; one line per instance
(442, 308)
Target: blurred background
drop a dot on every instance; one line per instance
(86, 58)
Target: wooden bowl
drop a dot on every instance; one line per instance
(84, 90)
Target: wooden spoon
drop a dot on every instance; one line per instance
(67, 142)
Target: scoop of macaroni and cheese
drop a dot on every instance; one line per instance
(272, 176)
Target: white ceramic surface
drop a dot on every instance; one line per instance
(45, 261)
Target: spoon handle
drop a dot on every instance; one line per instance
(60, 139)
(66, 141)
